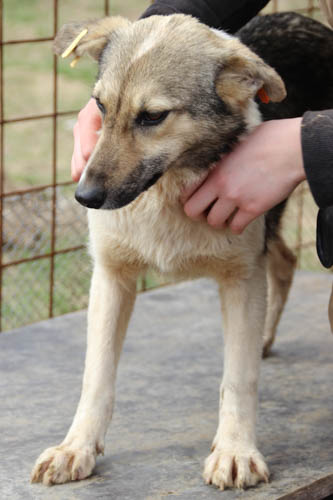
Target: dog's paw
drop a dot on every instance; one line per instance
(61, 464)
(230, 469)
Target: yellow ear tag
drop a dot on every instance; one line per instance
(74, 44)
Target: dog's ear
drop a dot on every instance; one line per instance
(242, 74)
(88, 37)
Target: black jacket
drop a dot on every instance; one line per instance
(317, 127)
(225, 14)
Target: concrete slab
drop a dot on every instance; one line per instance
(167, 399)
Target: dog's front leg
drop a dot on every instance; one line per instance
(235, 460)
(111, 301)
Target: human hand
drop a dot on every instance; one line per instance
(261, 172)
(85, 137)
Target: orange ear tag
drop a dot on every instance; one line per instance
(263, 96)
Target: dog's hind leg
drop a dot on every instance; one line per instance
(235, 460)
(112, 298)
(281, 264)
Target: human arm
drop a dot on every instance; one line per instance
(260, 173)
(264, 169)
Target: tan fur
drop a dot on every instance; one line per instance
(177, 65)
(247, 73)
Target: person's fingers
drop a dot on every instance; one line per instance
(85, 137)
(220, 212)
(78, 162)
(189, 190)
(75, 174)
(89, 122)
(201, 200)
(240, 220)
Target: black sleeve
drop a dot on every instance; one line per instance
(317, 147)
(229, 15)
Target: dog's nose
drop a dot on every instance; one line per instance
(90, 197)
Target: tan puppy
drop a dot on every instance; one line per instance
(174, 95)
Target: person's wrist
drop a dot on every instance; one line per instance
(297, 168)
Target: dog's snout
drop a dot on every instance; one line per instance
(92, 197)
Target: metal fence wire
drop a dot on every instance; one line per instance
(44, 266)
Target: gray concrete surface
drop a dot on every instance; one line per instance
(167, 398)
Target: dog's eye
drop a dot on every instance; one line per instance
(100, 105)
(148, 119)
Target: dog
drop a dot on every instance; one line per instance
(175, 95)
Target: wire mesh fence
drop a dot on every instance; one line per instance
(44, 265)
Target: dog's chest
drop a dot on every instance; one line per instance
(166, 241)
(158, 233)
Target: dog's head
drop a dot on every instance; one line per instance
(173, 94)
